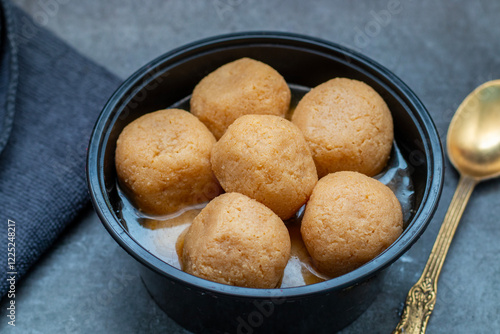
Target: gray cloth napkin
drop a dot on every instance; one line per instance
(50, 97)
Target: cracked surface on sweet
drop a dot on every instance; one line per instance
(266, 158)
(347, 125)
(163, 161)
(238, 241)
(349, 219)
(244, 86)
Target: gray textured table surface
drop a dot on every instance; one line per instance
(441, 49)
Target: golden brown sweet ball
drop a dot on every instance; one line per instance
(242, 87)
(348, 127)
(266, 158)
(163, 161)
(349, 220)
(238, 241)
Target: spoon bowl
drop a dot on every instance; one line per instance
(473, 140)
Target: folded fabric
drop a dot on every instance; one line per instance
(50, 97)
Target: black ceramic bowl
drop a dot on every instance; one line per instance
(204, 306)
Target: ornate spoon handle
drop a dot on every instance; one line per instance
(422, 296)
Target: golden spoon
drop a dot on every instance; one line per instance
(473, 145)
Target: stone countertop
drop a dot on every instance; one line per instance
(442, 49)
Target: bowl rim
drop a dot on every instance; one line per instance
(431, 145)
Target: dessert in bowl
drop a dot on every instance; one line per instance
(202, 305)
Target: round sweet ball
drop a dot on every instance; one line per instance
(266, 158)
(349, 220)
(242, 87)
(163, 161)
(238, 241)
(348, 127)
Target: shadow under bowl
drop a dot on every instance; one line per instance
(203, 306)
